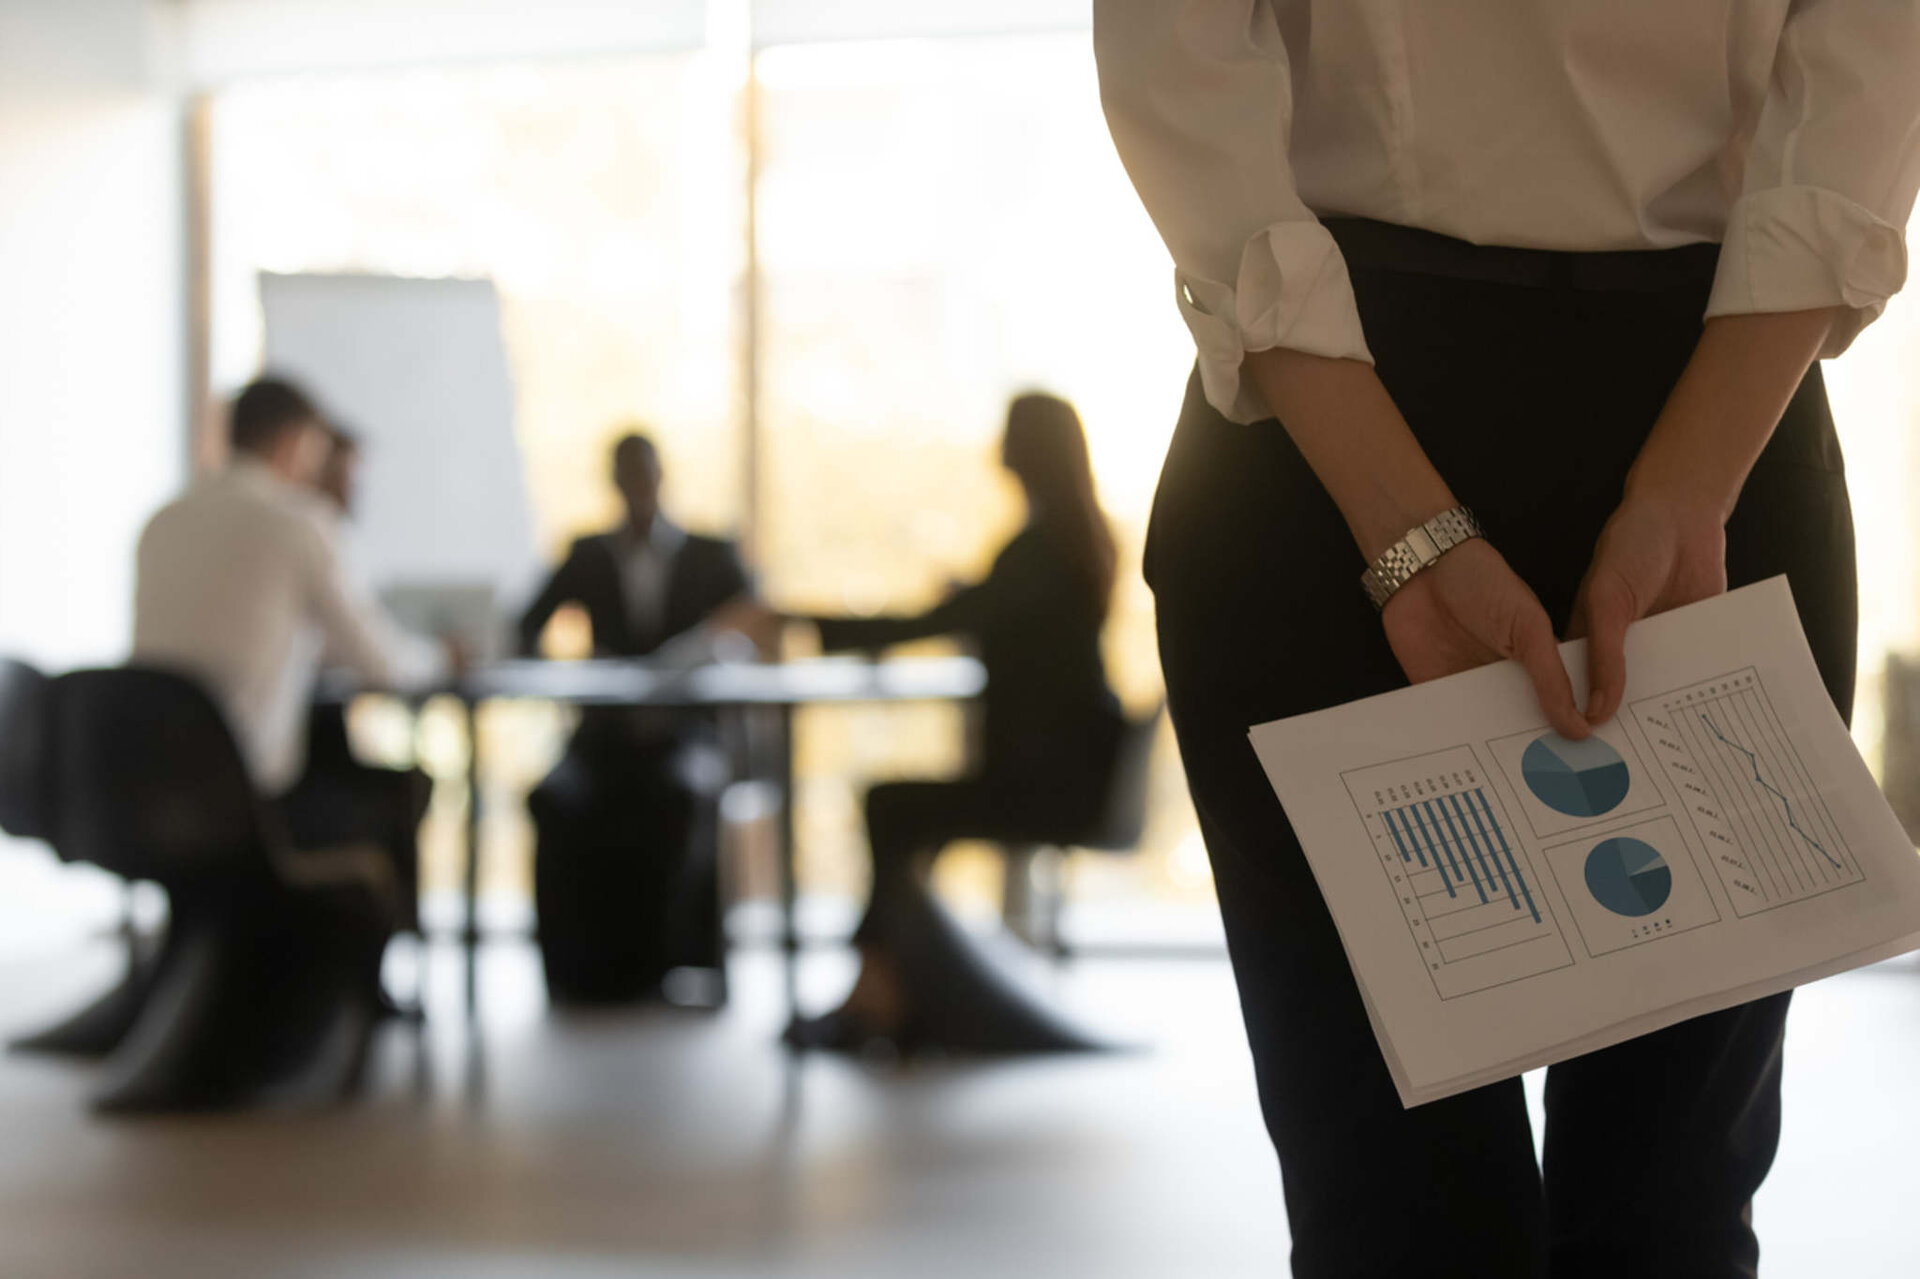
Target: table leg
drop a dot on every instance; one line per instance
(470, 933)
(731, 725)
(789, 886)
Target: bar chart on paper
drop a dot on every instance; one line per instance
(1770, 836)
(1465, 882)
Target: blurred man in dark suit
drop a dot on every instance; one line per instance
(625, 876)
(647, 581)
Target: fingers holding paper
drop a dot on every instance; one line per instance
(1470, 609)
(1652, 556)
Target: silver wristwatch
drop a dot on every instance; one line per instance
(1416, 551)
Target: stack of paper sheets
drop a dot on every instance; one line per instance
(1509, 898)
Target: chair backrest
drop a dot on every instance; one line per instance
(26, 800)
(1124, 817)
(149, 782)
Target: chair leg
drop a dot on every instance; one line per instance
(1016, 894)
(153, 1068)
(1051, 889)
(257, 997)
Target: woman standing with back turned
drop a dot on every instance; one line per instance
(1568, 265)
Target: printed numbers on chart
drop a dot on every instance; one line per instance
(1425, 788)
(1720, 689)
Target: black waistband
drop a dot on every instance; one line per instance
(1388, 247)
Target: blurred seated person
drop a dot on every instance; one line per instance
(240, 583)
(339, 794)
(625, 873)
(1051, 732)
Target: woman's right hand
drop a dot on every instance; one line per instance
(1470, 609)
(1465, 611)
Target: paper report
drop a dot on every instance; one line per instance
(1509, 898)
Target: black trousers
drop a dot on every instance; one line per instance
(626, 869)
(1531, 379)
(909, 822)
(340, 801)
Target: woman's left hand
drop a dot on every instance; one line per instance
(1655, 553)
(1666, 544)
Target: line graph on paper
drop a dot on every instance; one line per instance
(1768, 832)
(1465, 883)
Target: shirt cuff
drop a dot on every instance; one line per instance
(1292, 291)
(1800, 248)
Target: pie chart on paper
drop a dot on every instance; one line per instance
(1580, 779)
(1628, 877)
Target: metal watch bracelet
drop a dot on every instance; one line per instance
(1419, 549)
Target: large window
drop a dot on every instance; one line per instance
(944, 224)
(937, 224)
(1875, 392)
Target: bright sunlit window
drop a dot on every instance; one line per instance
(940, 224)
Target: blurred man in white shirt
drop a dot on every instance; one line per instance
(240, 583)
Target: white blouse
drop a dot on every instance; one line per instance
(1786, 130)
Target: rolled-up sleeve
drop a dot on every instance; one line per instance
(1832, 170)
(1198, 96)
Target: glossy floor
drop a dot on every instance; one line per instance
(677, 1143)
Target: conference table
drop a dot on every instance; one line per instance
(723, 689)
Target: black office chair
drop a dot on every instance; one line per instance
(1034, 895)
(25, 806)
(26, 811)
(266, 987)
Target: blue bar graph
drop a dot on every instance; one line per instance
(1480, 852)
(1431, 848)
(1464, 875)
(1453, 843)
(1401, 844)
(1438, 843)
(1502, 837)
(1459, 829)
(1466, 856)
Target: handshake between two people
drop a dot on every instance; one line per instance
(745, 618)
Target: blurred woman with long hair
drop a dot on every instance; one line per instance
(1050, 732)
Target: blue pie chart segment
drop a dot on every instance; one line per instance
(1580, 779)
(1628, 877)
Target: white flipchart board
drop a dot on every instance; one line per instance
(417, 368)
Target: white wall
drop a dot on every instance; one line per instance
(92, 430)
(91, 318)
